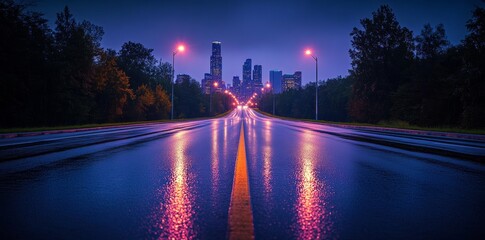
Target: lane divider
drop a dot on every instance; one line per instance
(240, 213)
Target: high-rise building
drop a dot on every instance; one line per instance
(236, 85)
(206, 83)
(247, 83)
(291, 81)
(257, 78)
(182, 78)
(258, 74)
(247, 72)
(275, 80)
(297, 76)
(236, 82)
(216, 62)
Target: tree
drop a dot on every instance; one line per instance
(161, 106)
(431, 42)
(25, 48)
(142, 103)
(138, 63)
(112, 88)
(473, 85)
(333, 98)
(188, 99)
(163, 75)
(77, 46)
(429, 98)
(381, 53)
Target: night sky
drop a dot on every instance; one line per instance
(271, 33)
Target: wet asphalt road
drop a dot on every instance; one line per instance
(307, 181)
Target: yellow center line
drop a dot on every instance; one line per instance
(240, 213)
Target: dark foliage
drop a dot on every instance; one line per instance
(382, 54)
(63, 76)
(333, 97)
(422, 80)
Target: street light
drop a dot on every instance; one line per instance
(210, 99)
(268, 85)
(180, 48)
(308, 52)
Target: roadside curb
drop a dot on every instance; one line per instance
(73, 130)
(466, 136)
(403, 145)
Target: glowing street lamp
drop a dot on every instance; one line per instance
(308, 52)
(180, 48)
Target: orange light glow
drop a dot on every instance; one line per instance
(215, 156)
(312, 208)
(268, 85)
(240, 213)
(308, 52)
(181, 48)
(216, 84)
(178, 215)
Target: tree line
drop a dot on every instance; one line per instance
(63, 76)
(395, 76)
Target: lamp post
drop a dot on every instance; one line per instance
(309, 53)
(180, 48)
(272, 93)
(210, 100)
(268, 85)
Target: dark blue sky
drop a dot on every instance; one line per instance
(272, 33)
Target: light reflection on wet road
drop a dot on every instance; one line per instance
(307, 181)
(327, 186)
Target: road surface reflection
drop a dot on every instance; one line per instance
(177, 222)
(311, 206)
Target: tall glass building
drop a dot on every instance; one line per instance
(275, 78)
(216, 62)
(258, 75)
(247, 72)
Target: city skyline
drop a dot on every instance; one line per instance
(99, 138)
(275, 40)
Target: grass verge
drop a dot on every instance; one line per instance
(101, 125)
(394, 125)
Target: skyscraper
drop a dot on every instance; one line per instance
(236, 82)
(258, 75)
(275, 80)
(206, 83)
(247, 84)
(182, 78)
(297, 76)
(247, 72)
(257, 79)
(291, 81)
(216, 62)
(236, 85)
